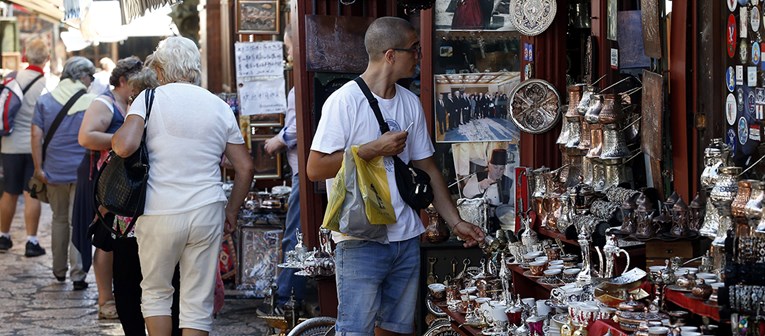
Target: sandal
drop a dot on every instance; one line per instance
(108, 311)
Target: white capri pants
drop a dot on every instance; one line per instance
(192, 238)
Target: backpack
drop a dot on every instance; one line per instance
(11, 97)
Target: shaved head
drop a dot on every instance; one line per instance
(386, 33)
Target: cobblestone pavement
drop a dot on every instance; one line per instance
(32, 302)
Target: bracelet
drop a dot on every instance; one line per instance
(458, 223)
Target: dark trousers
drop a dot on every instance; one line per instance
(127, 288)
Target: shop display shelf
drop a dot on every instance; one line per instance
(692, 304)
(457, 319)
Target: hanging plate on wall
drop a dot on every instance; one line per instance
(532, 17)
(534, 106)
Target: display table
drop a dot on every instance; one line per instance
(457, 320)
(692, 304)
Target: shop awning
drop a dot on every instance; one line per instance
(132, 9)
(51, 10)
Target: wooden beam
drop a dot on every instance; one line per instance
(678, 105)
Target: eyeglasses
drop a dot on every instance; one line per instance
(416, 49)
(92, 78)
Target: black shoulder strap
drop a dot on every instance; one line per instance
(29, 86)
(374, 104)
(59, 118)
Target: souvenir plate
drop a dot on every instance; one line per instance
(730, 79)
(754, 19)
(756, 53)
(743, 2)
(532, 17)
(534, 106)
(731, 35)
(732, 5)
(754, 2)
(750, 102)
(743, 131)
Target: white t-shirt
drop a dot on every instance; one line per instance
(347, 120)
(187, 133)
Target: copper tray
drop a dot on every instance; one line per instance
(535, 106)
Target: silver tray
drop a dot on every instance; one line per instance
(534, 106)
(532, 17)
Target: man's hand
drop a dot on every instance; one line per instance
(471, 234)
(486, 183)
(274, 145)
(388, 144)
(231, 221)
(40, 175)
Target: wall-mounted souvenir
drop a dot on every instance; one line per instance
(732, 4)
(528, 71)
(651, 33)
(755, 53)
(751, 76)
(743, 51)
(472, 15)
(535, 106)
(755, 133)
(759, 94)
(754, 2)
(731, 140)
(730, 109)
(743, 2)
(267, 166)
(739, 75)
(630, 41)
(754, 19)
(730, 79)
(743, 131)
(743, 20)
(533, 17)
(740, 99)
(328, 39)
(474, 107)
(731, 35)
(750, 104)
(611, 16)
(651, 111)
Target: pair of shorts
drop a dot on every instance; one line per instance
(17, 170)
(376, 286)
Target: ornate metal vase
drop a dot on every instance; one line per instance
(722, 197)
(615, 172)
(614, 145)
(596, 141)
(593, 112)
(679, 219)
(738, 207)
(575, 166)
(612, 109)
(644, 215)
(565, 132)
(584, 101)
(696, 212)
(585, 141)
(627, 209)
(715, 156)
(574, 97)
(753, 208)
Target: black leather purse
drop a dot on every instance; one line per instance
(413, 183)
(120, 186)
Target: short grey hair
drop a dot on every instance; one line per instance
(178, 59)
(37, 51)
(386, 33)
(77, 67)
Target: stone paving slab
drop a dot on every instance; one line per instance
(33, 302)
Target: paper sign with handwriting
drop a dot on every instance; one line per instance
(263, 97)
(258, 59)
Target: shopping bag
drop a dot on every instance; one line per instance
(350, 218)
(372, 180)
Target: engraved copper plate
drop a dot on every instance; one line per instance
(328, 40)
(535, 106)
(652, 106)
(651, 34)
(532, 17)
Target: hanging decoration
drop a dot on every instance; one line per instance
(532, 17)
(132, 9)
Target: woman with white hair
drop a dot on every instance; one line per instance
(186, 208)
(56, 164)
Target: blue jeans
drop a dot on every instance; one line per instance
(376, 283)
(288, 283)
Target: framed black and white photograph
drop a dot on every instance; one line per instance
(257, 17)
(473, 107)
(473, 15)
(266, 165)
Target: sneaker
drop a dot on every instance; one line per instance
(60, 279)
(79, 285)
(265, 310)
(5, 244)
(108, 311)
(33, 250)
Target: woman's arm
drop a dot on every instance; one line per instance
(128, 137)
(96, 121)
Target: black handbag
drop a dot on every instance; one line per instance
(413, 183)
(120, 185)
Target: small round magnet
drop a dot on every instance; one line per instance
(743, 51)
(732, 5)
(754, 19)
(743, 2)
(755, 53)
(731, 35)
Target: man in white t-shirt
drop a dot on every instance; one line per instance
(378, 282)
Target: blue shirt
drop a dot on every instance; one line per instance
(64, 153)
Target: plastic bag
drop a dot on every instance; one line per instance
(372, 180)
(346, 212)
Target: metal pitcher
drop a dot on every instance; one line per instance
(614, 145)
